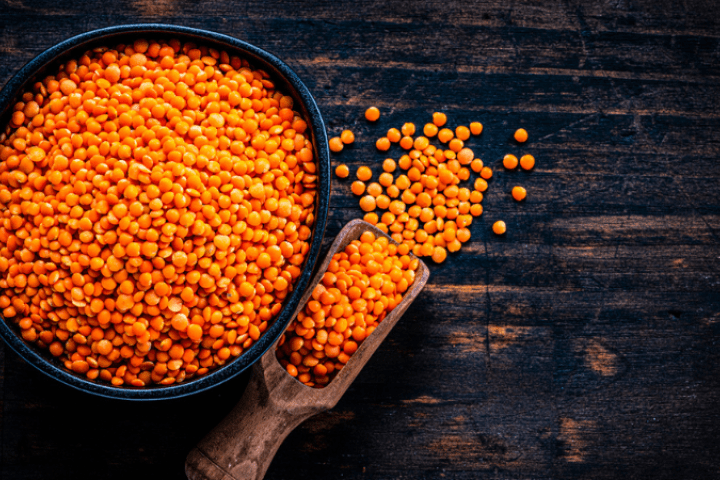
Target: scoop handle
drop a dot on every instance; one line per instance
(242, 446)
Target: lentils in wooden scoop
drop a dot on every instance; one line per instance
(156, 202)
(362, 285)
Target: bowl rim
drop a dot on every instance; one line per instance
(262, 59)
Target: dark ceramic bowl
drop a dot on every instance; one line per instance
(47, 62)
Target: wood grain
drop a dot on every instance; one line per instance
(581, 345)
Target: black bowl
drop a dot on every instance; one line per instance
(47, 62)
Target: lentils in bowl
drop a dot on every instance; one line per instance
(157, 202)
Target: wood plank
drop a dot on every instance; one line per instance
(582, 344)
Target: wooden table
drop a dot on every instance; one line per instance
(582, 344)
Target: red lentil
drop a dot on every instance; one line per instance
(361, 286)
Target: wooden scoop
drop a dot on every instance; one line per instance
(242, 446)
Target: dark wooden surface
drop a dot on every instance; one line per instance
(583, 344)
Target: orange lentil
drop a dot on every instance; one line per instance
(406, 142)
(385, 179)
(476, 128)
(521, 135)
(519, 193)
(389, 165)
(456, 145)
(397, 207)
(445, 135)
(178, 185)
(510, 161)
(527, 162)
(364, 173)
(430, 130)
(463, 235)
(394, 135)
(486, 173)
(342, 171)
(476, 165)
(382, 144)
(476, 196)
(347, 137)
(462, 132)
(367, 203)
(421, 143)
(439, 119)
(358, 187)
(499, 227)
(336, 144)
(320, 348)
(408, 129)
(439, 254)
(402, 182)
(371, 218)
(374, 189)
(465, 156)
(372, 114)
(480, 185)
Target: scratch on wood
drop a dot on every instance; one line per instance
(424, 399)
(9, 46)
(327, 421)
(600, 359)
(475, 448)
(466, 342)
(566, 127)
(337, 63)
(156, 7)
(572, 438)
(319, 60)
(697, 213)
(503, 337)
(367, 99)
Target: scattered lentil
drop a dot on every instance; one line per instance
(439, 119)
(347, 137)
(499, 227)
(519, 193)
(342, 171)
(383, 144)
(510, 161)
(364, 173)
(358, 187)
(527, 162)
(336, 144)
(372, 114)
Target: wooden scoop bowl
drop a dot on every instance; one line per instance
(242, 446)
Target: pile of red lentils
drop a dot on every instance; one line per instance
(427, 209)
(156, 206)
(361, 286)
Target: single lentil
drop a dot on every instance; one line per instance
(527, 162)
(519, 193)
(372, 114)
(342, 171)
